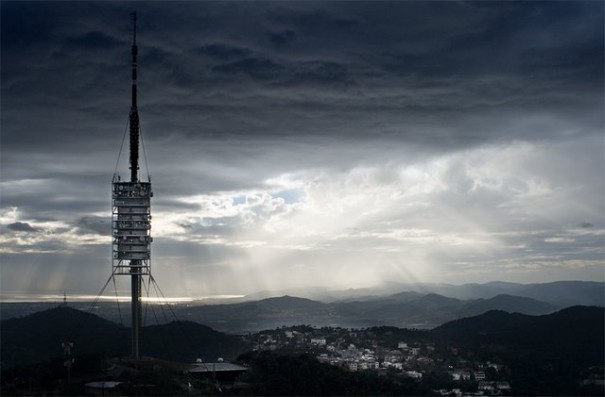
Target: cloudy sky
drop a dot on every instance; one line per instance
(295, 144)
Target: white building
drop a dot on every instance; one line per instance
(414, 374)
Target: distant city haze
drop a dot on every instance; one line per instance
(302, 145)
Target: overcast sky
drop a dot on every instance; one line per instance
(295, 144)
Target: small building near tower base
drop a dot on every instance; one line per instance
(221, 371)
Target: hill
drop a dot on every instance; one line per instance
(38, 337)
(507, 303)
(425, 311)
(491, 322)
(572, 332)
(545, 355)
(257, 315)
(567, 293)
(187, 341)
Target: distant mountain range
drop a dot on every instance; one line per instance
(423, 306)
(559, 293)
(404, 310)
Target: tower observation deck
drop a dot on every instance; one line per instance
(131, 215)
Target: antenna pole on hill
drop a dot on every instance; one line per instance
(69, 360)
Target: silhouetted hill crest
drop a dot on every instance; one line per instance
(38, 337)
(436, 299)
(564, 330)
(493, 321)
(404, 296)
(62, 314)
(510, 304)
(288, 302)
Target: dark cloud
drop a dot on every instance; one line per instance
(282, 39)
(327, 75)
(234, 96)
(24, 24)
(223, 51)
(61, 189)
(156, 58)
(315, 20)
(257, 68)
(22, 227)
(93, 40)
(95, 224)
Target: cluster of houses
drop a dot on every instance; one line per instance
(360, 358)
(485, 388)
(361, 351)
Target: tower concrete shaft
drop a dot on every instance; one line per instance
(135, 304)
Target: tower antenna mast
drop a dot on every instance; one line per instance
(131, 215)
(134, 112)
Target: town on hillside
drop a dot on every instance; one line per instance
(449, 370)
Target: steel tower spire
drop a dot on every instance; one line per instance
(131, 215)
(134, 112)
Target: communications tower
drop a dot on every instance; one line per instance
(131, 215)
